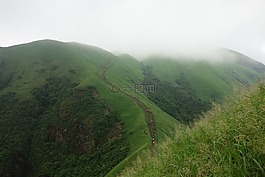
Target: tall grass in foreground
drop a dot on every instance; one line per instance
(229, 140)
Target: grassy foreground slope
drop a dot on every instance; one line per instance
(228, 141)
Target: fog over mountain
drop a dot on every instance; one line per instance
(139, 27)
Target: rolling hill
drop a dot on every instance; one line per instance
(59, 114)
(71, 109)
(210, 79)
(192, 84)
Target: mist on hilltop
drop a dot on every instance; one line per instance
(140, 27)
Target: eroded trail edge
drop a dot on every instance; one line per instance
(149, 116)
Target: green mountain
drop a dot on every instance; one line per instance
(186, 86)
(60, 117)
(71, 109)
(210, 80)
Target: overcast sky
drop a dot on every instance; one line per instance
(139, 27)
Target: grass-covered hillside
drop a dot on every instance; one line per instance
(228, 141)
(211, 78)
(54, 119)
(61, 131)
(69, 109)
(27, 66)
(60, 117)
(126, 72)
(186, 86)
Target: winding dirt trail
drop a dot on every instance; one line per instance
(147, 111)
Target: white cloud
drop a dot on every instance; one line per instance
(139, 26)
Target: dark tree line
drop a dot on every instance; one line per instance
(179, 100)
(60, 131)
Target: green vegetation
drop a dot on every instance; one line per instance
(66, 132)
(210, 81)
(132, 75)
(24, 68)
(126, 72)
(59, 116)
(186, 87)
(180, 101)
(227, 141)
(27, 66)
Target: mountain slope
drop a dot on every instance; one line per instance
(227, 141)
(125, 74)
(54, 115)
(72, 109)
(131, 77)
(186, 86)
(39, 60)
(66, 116)
(210, 80)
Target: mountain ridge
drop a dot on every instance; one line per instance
(56, 79)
